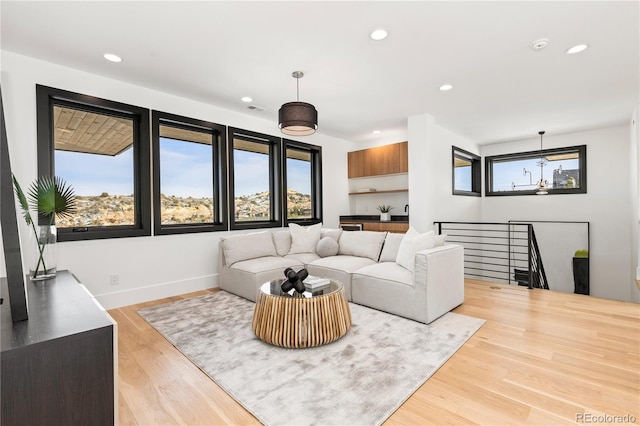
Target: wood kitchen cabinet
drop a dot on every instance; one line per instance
(380, 160)
(395, 227)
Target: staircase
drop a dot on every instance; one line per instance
(502, 252)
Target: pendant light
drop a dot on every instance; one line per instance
(542, 185)
(297, 118)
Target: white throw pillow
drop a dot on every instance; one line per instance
(411, 243)
(282, 241)
(327, 246)
(440, 240)
(304, 238)
(333, 233)
(247, 246)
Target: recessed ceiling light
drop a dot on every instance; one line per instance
(246, 99)
(376, 132)
(577, 49)
(113, 58)
(446, 87)
(379, 34)
(539, 44)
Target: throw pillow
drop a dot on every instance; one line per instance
(247, 246)
(282, 241)
(304, 238)
(333, 233)
(411, 243)
(327, 246)
(440, 239)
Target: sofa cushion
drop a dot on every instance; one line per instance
(411, 243)
(362, 244)
(267, 263)
(247, 246)
(390, 247)
(440, 239)
(387, 271)
(327, 246)
(338, 268)
(304, 238)
(303, 257)
(282, 241)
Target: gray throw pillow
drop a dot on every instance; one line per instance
(327, 246)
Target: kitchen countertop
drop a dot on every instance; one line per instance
(373, 218)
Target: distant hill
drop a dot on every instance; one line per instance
(109, 210)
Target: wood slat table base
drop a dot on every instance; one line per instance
(296, 322)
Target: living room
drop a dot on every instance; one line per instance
(604, 117)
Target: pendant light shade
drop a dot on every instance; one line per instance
(297, 118)
(542, 185)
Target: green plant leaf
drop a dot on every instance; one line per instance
(22, 200)
(52, 196)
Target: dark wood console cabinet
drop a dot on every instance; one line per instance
(57, 367)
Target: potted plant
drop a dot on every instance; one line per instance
(385, 215)
(581, 272)
(51, 197)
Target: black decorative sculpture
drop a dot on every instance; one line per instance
(294, 280)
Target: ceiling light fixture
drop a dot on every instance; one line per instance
(246, 99)
(113, 58)
(539, 44)
(542, 185)
(297, 118)
(376, 132)
(577, 49)
(378, 34)
(446, 87)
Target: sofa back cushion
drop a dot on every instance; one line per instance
(390, 247)
(362, 243)
(247, 246)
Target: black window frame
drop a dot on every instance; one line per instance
(275, 179)
(476, 172)
(316, 181)
(46, 99)
(582, 164)
(219, 173)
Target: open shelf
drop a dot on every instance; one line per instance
(379, 192)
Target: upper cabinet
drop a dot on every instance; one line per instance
(381, 160)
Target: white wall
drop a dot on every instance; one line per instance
(634, 158)
(430, 176)
(149, 267)
(606, 205)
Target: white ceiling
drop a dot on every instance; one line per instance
(217, 52)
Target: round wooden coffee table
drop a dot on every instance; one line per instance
(313, 318)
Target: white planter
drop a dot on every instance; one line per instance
(385, 217)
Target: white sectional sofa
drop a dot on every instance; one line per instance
(385, 271)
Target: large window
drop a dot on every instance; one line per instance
(303, 182)
(466, 172)
(563, 169)
(189, 175)
(254, 171)
(101, 148)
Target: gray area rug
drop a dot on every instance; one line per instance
(360, 379)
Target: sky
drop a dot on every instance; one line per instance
(185, 171)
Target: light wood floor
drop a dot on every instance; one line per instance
(542, 357)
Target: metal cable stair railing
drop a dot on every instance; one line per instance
(506, 252)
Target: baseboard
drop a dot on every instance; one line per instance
(133, 296)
